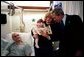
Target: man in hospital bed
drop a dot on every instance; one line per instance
(18, 48)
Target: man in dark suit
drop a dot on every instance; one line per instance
(68, 30)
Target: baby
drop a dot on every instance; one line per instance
(40, 29)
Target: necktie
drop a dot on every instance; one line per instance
(62, 30)
(62, 25)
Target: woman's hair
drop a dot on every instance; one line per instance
(48, 14)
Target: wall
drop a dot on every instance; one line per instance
(29, 15)
(16, 21)
(6, 28)
(27, 19)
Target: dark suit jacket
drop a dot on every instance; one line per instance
(73, 31)
(71, 36)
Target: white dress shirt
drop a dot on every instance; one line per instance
(64, 19)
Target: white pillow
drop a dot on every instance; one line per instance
(26, 38)
(9, 38)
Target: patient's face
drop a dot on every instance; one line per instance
(16, 37)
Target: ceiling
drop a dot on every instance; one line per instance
(42, 5)
(31, 3)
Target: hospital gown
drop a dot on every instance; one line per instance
(19, 50)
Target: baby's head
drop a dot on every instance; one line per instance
(40, 23)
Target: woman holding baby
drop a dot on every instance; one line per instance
(41, 34)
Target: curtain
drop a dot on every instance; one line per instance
(71, 7)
